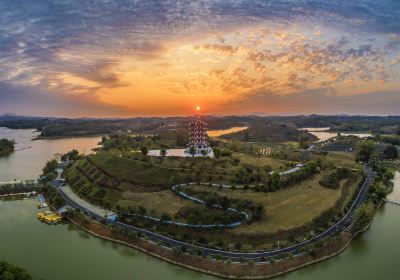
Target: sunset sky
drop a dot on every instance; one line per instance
(163, 58)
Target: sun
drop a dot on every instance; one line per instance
(197, 108)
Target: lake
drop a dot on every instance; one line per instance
(324, 134)
(220, 132)
(64, 252)
(30, 156)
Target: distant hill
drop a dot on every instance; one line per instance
(282, 128)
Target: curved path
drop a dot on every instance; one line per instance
(340, 226)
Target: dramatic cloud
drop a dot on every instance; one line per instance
(143, 57)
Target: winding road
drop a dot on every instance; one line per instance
(340, 226)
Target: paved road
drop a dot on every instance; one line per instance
(340, 226)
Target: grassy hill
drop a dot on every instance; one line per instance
(127, 181)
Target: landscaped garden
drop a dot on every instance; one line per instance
(238, 200)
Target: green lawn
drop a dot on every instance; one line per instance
(338, 159)
(276, 164)
(156, 203)
(287, 208)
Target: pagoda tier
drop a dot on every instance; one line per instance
(198, 135)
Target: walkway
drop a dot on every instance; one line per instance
(296, 249)
(98, 211)
(42, 202)
(392, 201)
(19, 182)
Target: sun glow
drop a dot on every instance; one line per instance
(197, 108)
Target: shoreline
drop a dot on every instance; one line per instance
(217, 268)
(66, 137)
(223, 267)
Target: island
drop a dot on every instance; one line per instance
(6, 147)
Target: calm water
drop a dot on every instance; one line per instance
(63, 252)
(219, 132)
(30, 156)
(323, 134)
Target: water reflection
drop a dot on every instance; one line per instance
(27, 163)
(323, 134)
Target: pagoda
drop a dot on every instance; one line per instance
(198, 138)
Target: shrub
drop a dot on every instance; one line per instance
(332, 181)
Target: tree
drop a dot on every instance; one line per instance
(192, 151)
(217, 153)
(390, 152)
(50, 167)
(365, 150)
(7, 275)
(141, 211)
(363, 215)
(378, 190)
(250, 263)
(204, 153)
(226, 153)
(303, 141)
(6, 146)
(144, 150)
(163, 152)
(11, 272)
(275, 180)
(165, 218)
(73, 155)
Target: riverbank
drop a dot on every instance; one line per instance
(221, 268)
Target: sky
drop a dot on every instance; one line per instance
(115, 58)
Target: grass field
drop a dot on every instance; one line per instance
(287, 208)
(156, 203)
(168, 171)
(338, 159)
(276, 164)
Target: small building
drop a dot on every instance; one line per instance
(63, 212)
(112, 218)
